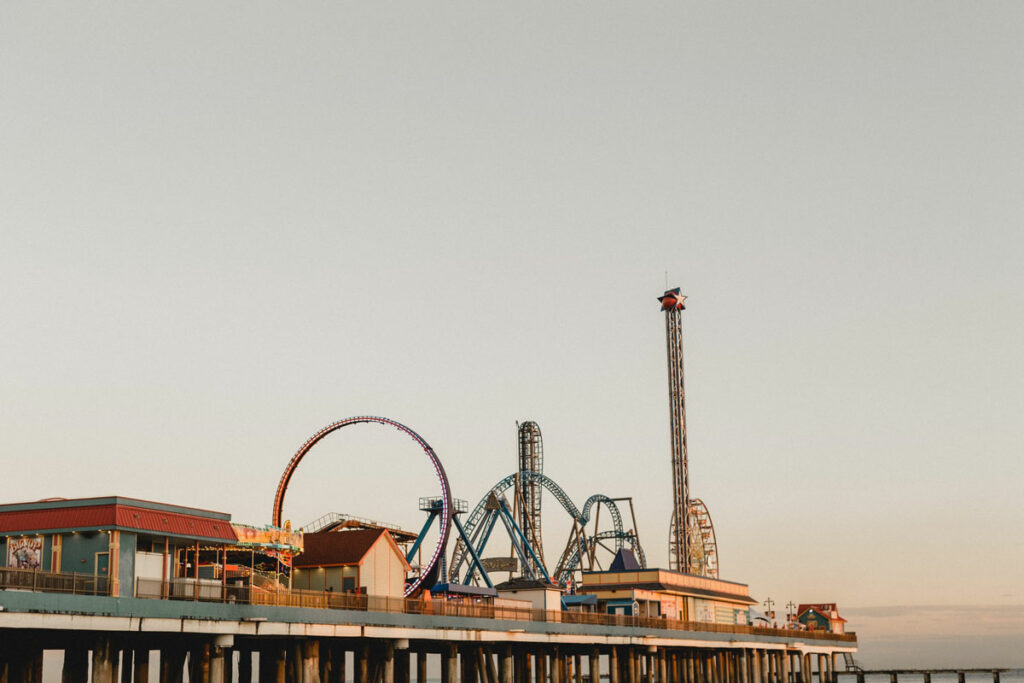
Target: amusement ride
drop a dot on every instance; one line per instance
(692, 543)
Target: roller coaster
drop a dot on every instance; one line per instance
(692, 544)
(526, 486)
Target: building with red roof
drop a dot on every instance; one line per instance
(821, 616)
(367, 561)
(114, 539)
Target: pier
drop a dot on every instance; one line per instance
(310, 639)
(925, 674)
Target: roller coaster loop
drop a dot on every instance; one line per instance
(446, 495)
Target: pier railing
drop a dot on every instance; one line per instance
(53, 582)
(213, 591)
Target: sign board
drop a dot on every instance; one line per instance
(500, 564)
(271, 537)
(25, 552)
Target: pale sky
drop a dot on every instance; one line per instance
(225, 226)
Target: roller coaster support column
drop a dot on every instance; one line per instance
(509, 520)
(423, 532)
(472, 552)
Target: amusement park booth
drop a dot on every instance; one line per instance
(823, 616)
(105, 545)
(366, 561)
(631, 590)
(539, 594)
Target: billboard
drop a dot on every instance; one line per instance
(270, 537)
(25, 552)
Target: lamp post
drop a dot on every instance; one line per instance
(768, 604)
(790, 611)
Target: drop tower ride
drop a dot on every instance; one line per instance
(673, 305)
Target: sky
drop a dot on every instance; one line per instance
(224, 226)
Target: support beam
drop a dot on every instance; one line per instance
(76, 664)
(362, 665)
(492, 671)
(140, 665)
(102, 660)
(245, 666)
(310, 664)
(388, 661)
(217, 674)
(506, 669)
(402, 673)
(448, 665)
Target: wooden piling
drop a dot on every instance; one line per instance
(448, 665)
(244, 665)
(102, 661)
(76, 664)
(492, 671)
(140, 665)
(172, 665)
(217, 674)
(388, 662)
(507, 669)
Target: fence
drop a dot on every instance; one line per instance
(213, 591)
(53, 582)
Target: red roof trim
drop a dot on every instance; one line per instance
(117, 517)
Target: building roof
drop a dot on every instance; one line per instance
(624, 561)
(521, 583)
(459, 589)
(340, 548)
(115, 513)
(825, 609)
(578, 600)
(655, 586)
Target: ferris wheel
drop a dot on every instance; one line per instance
(703, 548)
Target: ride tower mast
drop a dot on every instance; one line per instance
(673, 305)
(529, 490)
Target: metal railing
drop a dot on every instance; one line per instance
(212, 591)
(53, 582)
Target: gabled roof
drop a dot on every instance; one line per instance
(825, 609)
(341, 548)
(624, 561)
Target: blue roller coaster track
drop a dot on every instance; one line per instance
(581, 517)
